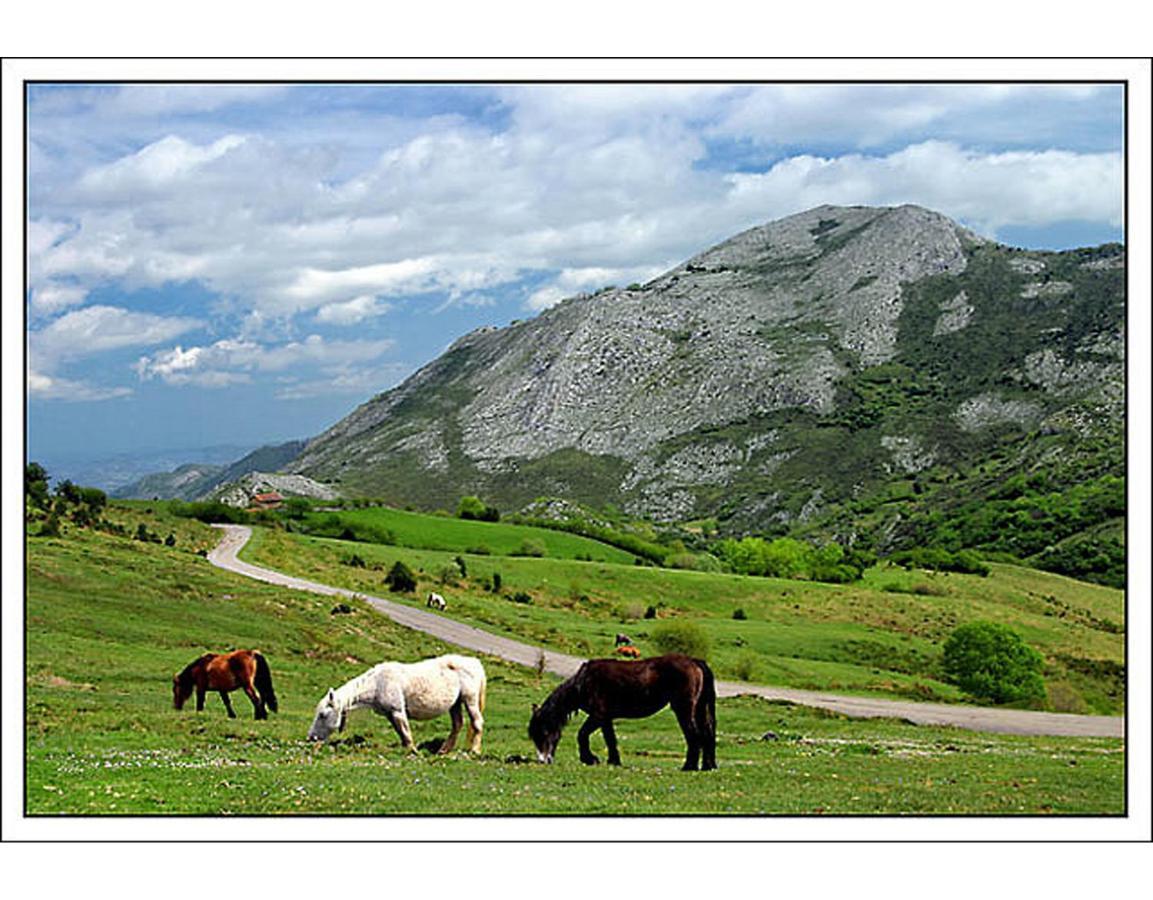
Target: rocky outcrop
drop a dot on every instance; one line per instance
(797, 364)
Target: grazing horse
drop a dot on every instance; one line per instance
(226, 672)
(436, 601)
(610, 689)
(400, 691)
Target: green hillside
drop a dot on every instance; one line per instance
(110, 618)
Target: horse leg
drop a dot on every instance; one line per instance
(689, 729)
(228, 704)
(400, 722)
(200, 693)
(455, 713)
(587, 756)
(257, 703)
(611, 743)
(475, 722)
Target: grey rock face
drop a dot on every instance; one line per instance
(689, 386)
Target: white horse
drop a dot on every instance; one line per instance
(436, 601)
(400, 691)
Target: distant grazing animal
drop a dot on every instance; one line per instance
(436, 601)
(623, 639)
(226, 672)
(610, 689)
(400, 691)
(628, 651)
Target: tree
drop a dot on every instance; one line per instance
(476, 509)
(991, 661)
(400, 579)
(36, 485)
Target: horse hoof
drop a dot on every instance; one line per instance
(591, 761)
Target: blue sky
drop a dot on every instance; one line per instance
(241, 264)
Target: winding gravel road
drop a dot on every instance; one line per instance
(975, 718)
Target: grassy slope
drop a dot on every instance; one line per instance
(882, 635)
(109, 620)
(459, 535)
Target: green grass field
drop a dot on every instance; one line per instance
(417, 530)
(110, 619)
(881, 636)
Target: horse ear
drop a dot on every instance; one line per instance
(330, 697)
(535, 709)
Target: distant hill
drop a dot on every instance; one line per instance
(881, 376)
(198, 480)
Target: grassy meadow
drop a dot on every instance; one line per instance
(109, 619)
(882, 635)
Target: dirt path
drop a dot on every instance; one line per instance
(972, 717)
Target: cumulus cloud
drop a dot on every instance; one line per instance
(98, 329)
(234, 361)
(51, 387)
(575, 281)
(986, 190)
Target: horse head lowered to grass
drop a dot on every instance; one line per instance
(609, 689)
(224, 672)
(403, 691)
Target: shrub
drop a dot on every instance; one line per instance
(519, 597)
(355, 560)
(681, 637)
(746, 667)
(400, 579)
(651, 612)
(991, 661)
(739, 614)
(477, 510)
(532, 547)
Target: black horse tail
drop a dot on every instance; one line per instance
(263, 681)
(707, 717)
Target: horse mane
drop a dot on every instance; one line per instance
(562, 704)
(187, 672)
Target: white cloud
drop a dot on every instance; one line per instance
(235, 361)
(154, 167)
(354, 311)
(987, 191)
(574, 281)
(50, 387)
(51, 297)
(98, 329)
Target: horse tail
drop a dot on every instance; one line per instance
(707, 716)
(708, 699)
(483, 689)
(263, 681)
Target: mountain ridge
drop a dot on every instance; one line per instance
(698, 392)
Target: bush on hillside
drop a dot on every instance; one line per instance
(992, 662)
(400, 579)
(681, 637)
(477, 510)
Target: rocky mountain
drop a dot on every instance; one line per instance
(241, 492)
(849, 370)
(195, 481)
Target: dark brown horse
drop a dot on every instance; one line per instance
(610, 689)
(226, 672)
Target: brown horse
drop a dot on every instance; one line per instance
(610, 689)
(226, 672)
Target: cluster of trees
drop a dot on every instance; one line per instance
(477, 510)
(84, 506)
(790, 558)
(938, 560)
